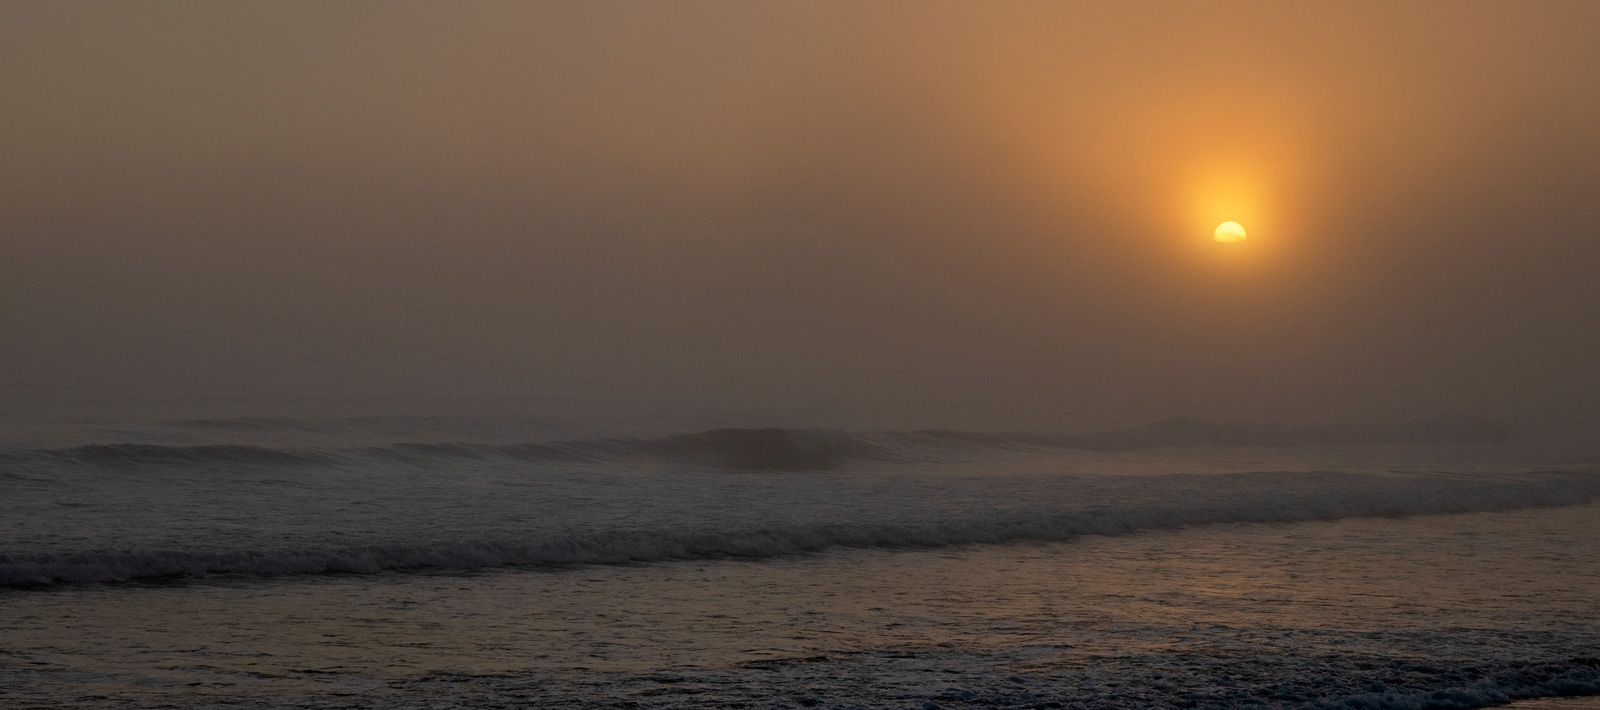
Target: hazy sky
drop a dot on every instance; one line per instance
(956, 214)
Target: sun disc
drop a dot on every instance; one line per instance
(1229, 232)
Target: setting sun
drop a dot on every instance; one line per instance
(1229, 232)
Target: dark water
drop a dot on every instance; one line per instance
(518, 562)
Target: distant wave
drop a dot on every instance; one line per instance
(773, 449)
(1180, 431)
(150, 454)
(750, 449)
(254, 424)
(1366, 495)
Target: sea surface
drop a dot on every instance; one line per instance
(443, 561)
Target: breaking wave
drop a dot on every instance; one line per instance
(1377, 498)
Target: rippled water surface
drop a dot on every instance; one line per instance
(652, 575)
(1332, 608)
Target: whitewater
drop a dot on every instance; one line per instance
(498, 561)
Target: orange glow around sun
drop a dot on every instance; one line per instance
(1222, 202)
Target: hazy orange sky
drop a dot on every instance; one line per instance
(918, 213)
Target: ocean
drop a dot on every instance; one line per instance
(487, 561)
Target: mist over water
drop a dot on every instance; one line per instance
(814, 355)
(322, 497)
